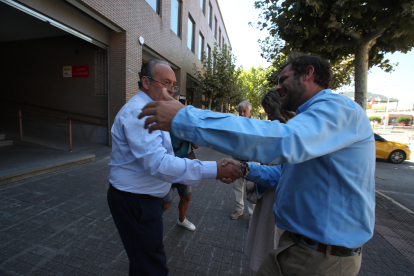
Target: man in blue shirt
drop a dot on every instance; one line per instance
(142, 168)
(325, 190)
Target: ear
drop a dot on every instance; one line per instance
(309, 73)
(145, 82)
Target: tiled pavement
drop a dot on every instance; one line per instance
(59, 224)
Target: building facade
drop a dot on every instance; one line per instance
(81, 58)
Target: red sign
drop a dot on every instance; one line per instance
(80, 71)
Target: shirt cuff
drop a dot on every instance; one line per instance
(184, 123)
(209, 170)
(252, 172)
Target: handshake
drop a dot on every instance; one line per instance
(228, 170)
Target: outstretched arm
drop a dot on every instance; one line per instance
(325, 127)
(267, 176)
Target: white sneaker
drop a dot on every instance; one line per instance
(186, 224)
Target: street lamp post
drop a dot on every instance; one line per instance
(386, 112)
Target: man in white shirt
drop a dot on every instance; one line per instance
(142, 168)
(245, 110)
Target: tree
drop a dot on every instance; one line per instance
(375, 118)
(403, 120)
(255, 85)
(219, 79)
(338, 30)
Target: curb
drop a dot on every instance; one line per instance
(46, 169)
(395, 202)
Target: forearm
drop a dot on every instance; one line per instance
(180, 170)
(304, 137)
(267, 176)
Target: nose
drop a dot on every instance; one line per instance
(278, 89)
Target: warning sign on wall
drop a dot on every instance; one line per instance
(76, 71)
(80, 71)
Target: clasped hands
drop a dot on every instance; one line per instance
(228, 170)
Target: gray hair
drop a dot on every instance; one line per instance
(147, 69)
(249, 105)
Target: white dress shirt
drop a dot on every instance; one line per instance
(144, 163)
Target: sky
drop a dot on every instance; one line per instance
(243, 39)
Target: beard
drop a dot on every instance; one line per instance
(293, 95)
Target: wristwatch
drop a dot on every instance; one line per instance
(245, 169)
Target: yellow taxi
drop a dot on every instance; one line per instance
(393, 151)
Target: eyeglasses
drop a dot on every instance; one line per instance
(174, 88)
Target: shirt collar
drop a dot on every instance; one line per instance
(309, 102)
(144, 96)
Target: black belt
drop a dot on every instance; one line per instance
(132, 194)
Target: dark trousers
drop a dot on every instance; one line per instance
(140, 226)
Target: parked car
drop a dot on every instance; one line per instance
(393, 151)
(386, 127)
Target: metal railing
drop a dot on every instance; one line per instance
(20, 116)
(44, 111)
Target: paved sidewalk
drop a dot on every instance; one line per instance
(59, 224)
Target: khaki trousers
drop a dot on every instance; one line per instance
(239, 187)
(297, 259)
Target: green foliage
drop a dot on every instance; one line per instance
(219, 79)
(255, 85)
(375, 118)
(335, 30)
(403, 120)
(272, 72)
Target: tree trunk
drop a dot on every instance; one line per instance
(361, 75)
(221, 108)
(209, 101)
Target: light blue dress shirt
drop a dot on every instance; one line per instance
(326, 188)
(144, 163)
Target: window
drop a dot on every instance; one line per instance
(215, 27)
(190, 39)
(219, 37)
(223, 41)
(175, 16)
(202, 5)
(101, 72)
(155, 5)
(208, 52)
(200, 46)
(210, 9)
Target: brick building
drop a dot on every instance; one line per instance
(81, 58)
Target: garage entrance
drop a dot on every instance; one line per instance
(54, 73)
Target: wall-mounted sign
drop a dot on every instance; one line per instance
(67, 71)
(76, 71)
(80, 71)
(383, 106)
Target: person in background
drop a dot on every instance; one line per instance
(245, 110)
(182, 149)
(264, 235)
